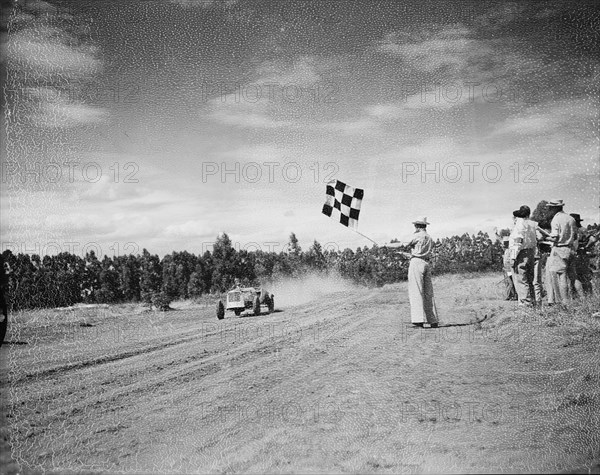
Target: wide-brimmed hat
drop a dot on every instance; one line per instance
(522, 212)
(555, 203)
(421, 221)
(576, 217)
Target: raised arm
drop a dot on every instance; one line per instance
(394, 244)
(543, 232)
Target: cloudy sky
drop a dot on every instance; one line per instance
(164, 123)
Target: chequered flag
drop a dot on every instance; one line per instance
(343, 203)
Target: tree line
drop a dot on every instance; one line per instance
(66, 279)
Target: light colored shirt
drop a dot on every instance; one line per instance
(564, 230)
(422, 245)
(506, 262)
(523, 236)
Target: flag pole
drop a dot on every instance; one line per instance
(367, 237)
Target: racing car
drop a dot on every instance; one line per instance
(240, 299)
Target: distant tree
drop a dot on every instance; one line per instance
(169, 277)
(314, 257)
(91, 277)
(263, 265)
(66, 272)
(294, 246)
(226, 264)
(208, 267)
(150, 276)
(130, 278)
(110, 282)
(186, 264)
(196, 286)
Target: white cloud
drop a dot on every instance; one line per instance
(52, 108)
(388, 111)
(555, 116)
(49, 52)
(243, 117)
(303, 72)
(47, 65)
(361, 125)
(260, 103)
(431, 50)
(190, 229)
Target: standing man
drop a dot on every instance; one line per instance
(561, 260)
(541, 283)
(510, 293)
(420, 286)
(582, 274)
(3, 298)
(522, 245)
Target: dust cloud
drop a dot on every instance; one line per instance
(298, 291)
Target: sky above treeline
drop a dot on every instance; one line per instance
(160, 124)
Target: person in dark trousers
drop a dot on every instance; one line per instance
(522, 244)
(3, 301)
(582, 273)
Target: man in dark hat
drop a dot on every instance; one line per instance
(522, 246)
(560, 262)
(542, 216)
(582, 273)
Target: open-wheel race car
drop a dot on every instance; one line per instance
(246, 298)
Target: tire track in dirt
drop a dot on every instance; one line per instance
(332, 389)
(282, 390)
(99, 361)
(120, 396)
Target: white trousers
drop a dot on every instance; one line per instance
(420, 292)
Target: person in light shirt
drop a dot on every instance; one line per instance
(562, 256)
(522, 245)
(420, 286)
(510, 293)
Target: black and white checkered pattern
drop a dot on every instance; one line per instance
(343, 203)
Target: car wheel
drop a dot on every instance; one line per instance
(238, 312)
(220, 310)
(257, 305)
(272, 304)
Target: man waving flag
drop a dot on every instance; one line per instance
(342, 203)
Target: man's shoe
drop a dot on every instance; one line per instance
(418, 325)
(433, 325)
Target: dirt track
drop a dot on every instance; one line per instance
(340, 384)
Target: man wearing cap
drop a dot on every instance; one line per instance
(420, 286)
(522, 244)
(582, 274)
(561, 260)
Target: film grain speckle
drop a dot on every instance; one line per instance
(305, 236)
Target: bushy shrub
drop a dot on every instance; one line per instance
(161, 301)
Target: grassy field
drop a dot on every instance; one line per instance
(336, 380)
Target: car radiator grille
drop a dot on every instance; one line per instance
(234, 297)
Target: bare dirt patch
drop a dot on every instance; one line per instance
(338, 383)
